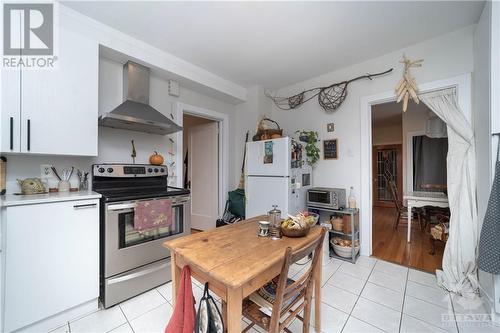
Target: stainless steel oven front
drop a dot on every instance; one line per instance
(135, 261)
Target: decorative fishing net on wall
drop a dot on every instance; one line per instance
(329, 98)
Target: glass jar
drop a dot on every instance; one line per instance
(274, 216)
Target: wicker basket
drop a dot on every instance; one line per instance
(337, 223)
(295, 233)
(265, 133)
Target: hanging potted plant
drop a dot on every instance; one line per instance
(310, 138)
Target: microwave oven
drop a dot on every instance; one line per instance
(325, 197)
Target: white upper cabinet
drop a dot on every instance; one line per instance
(10, 111)
(60, 106)
(55, 110)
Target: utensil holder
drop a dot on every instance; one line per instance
(64, 186)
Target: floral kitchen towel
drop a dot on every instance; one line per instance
(153, 214)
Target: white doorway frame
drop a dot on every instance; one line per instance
(463, 85)
(223, 119)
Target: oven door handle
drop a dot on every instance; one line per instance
(138, 274)
(121, 206)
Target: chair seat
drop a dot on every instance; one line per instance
(264, 298)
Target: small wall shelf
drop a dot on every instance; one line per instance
(353, 236)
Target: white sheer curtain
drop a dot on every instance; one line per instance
(459, 272)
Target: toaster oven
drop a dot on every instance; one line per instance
(325, 197)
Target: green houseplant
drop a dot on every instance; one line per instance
(312, 151)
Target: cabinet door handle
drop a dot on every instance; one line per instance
(85, 206)
(29, 135)
(11, 133)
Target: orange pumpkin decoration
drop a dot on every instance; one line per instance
(156, 159)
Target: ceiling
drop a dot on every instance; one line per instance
(276, 44)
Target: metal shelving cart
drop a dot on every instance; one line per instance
(353, 236)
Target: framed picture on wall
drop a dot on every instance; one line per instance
(330, 149)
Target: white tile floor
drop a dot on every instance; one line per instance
(370, 296)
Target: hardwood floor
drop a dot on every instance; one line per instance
(390, 244)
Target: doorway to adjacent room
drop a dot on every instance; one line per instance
(201, 169)
(405, 160)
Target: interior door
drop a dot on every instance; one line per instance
(203, 171)
(387, 163)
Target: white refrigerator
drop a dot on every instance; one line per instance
(276, 174)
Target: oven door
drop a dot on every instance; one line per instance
(126, 248)
(319, 198)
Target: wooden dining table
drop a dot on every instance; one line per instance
(235, 262)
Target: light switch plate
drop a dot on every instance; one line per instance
(173, 88)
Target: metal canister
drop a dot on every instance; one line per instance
(274, 216)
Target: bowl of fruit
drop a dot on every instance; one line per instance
(299, 225)
(343, 247)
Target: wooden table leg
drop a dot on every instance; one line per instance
(234, 309)
(409, 223)
(317, 291)
(224, 314)
(176, 275)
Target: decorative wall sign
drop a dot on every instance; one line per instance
(330, 127)
(407, 87)
(330, 97)
(330, 149)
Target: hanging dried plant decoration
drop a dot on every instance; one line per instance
(407, 87)
(330, 97)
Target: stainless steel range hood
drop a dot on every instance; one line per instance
(135, 113)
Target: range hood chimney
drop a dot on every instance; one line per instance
(135, 113)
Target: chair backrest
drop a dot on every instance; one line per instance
(393, 188)
(288, 296)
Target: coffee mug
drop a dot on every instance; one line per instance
(263, 228)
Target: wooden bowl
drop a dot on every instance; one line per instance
(295, 233)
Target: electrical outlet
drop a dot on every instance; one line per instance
(45, 170)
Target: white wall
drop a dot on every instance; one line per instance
(387, 134)
(248, 115)
(444, 57)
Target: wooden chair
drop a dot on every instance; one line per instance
(291, 296)
(401, 209)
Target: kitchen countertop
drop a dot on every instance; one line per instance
(17, 200)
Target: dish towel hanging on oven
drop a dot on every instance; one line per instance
(153, 214)
(489, 246)
(183, 318)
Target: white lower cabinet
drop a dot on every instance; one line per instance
(51, 259)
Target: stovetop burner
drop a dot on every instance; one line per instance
(122, 182)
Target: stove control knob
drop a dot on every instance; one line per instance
(110, 170)
(150, 170)
(156, 169)
(101, 170)
(162, 170)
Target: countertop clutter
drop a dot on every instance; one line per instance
(17, 200)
